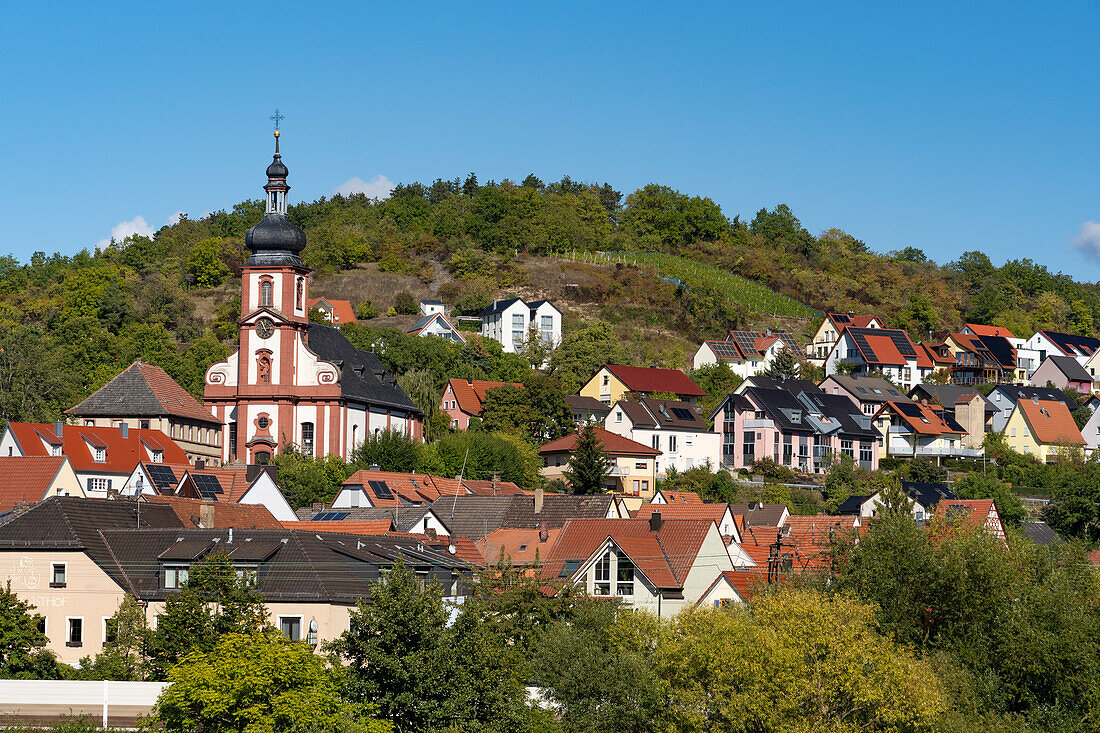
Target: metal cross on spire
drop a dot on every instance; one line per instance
(277, 118)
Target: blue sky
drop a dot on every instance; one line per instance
(948, 127)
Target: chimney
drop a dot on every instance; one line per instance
(21, 507)
(200, 464)
(655, 522)
(544, 532)
(206, 515)
(318, 506)
(58, 427)
(496, 482)
(124, 429)
(230, 540)
(538, 500)
(374, 467)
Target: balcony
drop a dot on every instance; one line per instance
(934, 451)
(752, 424)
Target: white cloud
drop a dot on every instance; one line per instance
(124, 229)
(1088, 241)
(378, 188)
(174, 219)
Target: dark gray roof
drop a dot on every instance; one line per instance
(780, 406)
(476, 516)
(587, 404)
(851, 505)
(499, 306)
(928, 495)
(791, 385)
(837, 407)
(1070, 367)
(1016, 392)
(432, 302)
(275, 241)
(131, 393)
(868, 389)
(764, 515)
(535, 304)
(1040, 533)
(1073, 344)
(403, 517)
(362, 376)
(947, 395)
(674, 414)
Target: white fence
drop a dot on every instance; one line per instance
(111, 703)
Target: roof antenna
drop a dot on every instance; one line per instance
(460, 474)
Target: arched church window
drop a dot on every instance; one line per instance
(263, 368)
(265, 294)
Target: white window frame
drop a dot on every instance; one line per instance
(289, 616)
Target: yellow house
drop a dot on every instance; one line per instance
(633, 465)
(612, 381)
(830, 329)
(1040, 428)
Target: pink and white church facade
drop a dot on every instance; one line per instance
(292, 383)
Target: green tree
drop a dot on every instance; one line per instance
(205, 263)
(582, 352)
(926, 471)
(390, 450)
(783, 366)
(258, 683)
(589, 465)
(718, 381)
(986, 486)
(506, 409)
(215, 601)
(23, 653)
(420, 387)
(404, 303)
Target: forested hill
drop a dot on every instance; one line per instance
(69, 323)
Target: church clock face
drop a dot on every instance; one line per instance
(265, 327)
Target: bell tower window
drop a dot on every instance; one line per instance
(299, 296)
(266, 298)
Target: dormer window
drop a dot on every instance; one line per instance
(55, 449)
(100, 455)
(158, 456)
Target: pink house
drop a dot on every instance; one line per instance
(463, 397)
(794, 430)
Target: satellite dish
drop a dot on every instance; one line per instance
(313, 625)
(452, 549)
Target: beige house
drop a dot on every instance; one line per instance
(76, 559)
(633, 465)
(612, 381)
(143, 396)
(26, 480)
(830, 329)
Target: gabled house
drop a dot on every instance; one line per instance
(669, 496)
(1004, 397)
(1053, 343)
(803, 432)
(613, 381)
(371, 488)
(1063, 372)
(828, 333)
(866, 393)
(1092, 366)
(26, 480)
(462, 399)
(336, 312)
(436, 324)
(1090, 432)
(86, 555)
(103, 458)
(633, 464)
(669, 426)
(658, 565)
(973, 513)
(886, 350)
(1042, 428)
(981, 359)
(143, 396)
(1026, 359)
(794, 386)
(476, 517)
(969, 408)
(509, 321)
(233, 484)
(720, 514)
(910, 429)
(746, 352)
(431, 307)
(924, 498)
(587, 409)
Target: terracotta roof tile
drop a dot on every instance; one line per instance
(342, 311)
(470, 393)
(239, 516)
(408, 488)
(123, 454)
(1051, 422)
(612, 443)
(981, 330)
(649, 379)
(26, 478)
(517, 546)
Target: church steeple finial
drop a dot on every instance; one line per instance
(276, 240)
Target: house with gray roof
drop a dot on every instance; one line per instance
(509, 322)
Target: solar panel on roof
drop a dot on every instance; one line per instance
(209, 486)
(682, 413)
(163, 478)
(380, 489)
(747, 341)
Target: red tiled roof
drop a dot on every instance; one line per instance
(613, 444)
(664, 556)
(470, 393)
(417, 488)
(486, 487)
(714, 512)
(981, 330)
(746, 581)
(650, 379)
(342, 312)
(123, 454)
(681, 496)
(856, 321)
(234, 481)
(886, 352)
(517, 546)
(26, 478)
(934, 425)
(1051, 422)
(238, 516)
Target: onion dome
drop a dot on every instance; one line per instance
(276, 240)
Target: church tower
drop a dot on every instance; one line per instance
(292, 384)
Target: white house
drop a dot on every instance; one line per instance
(885, 350)
(746, 352)
(431, 307)
(245, 485)
(1053, 343)
(670, 426)
(508, 322)
(436, 324)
